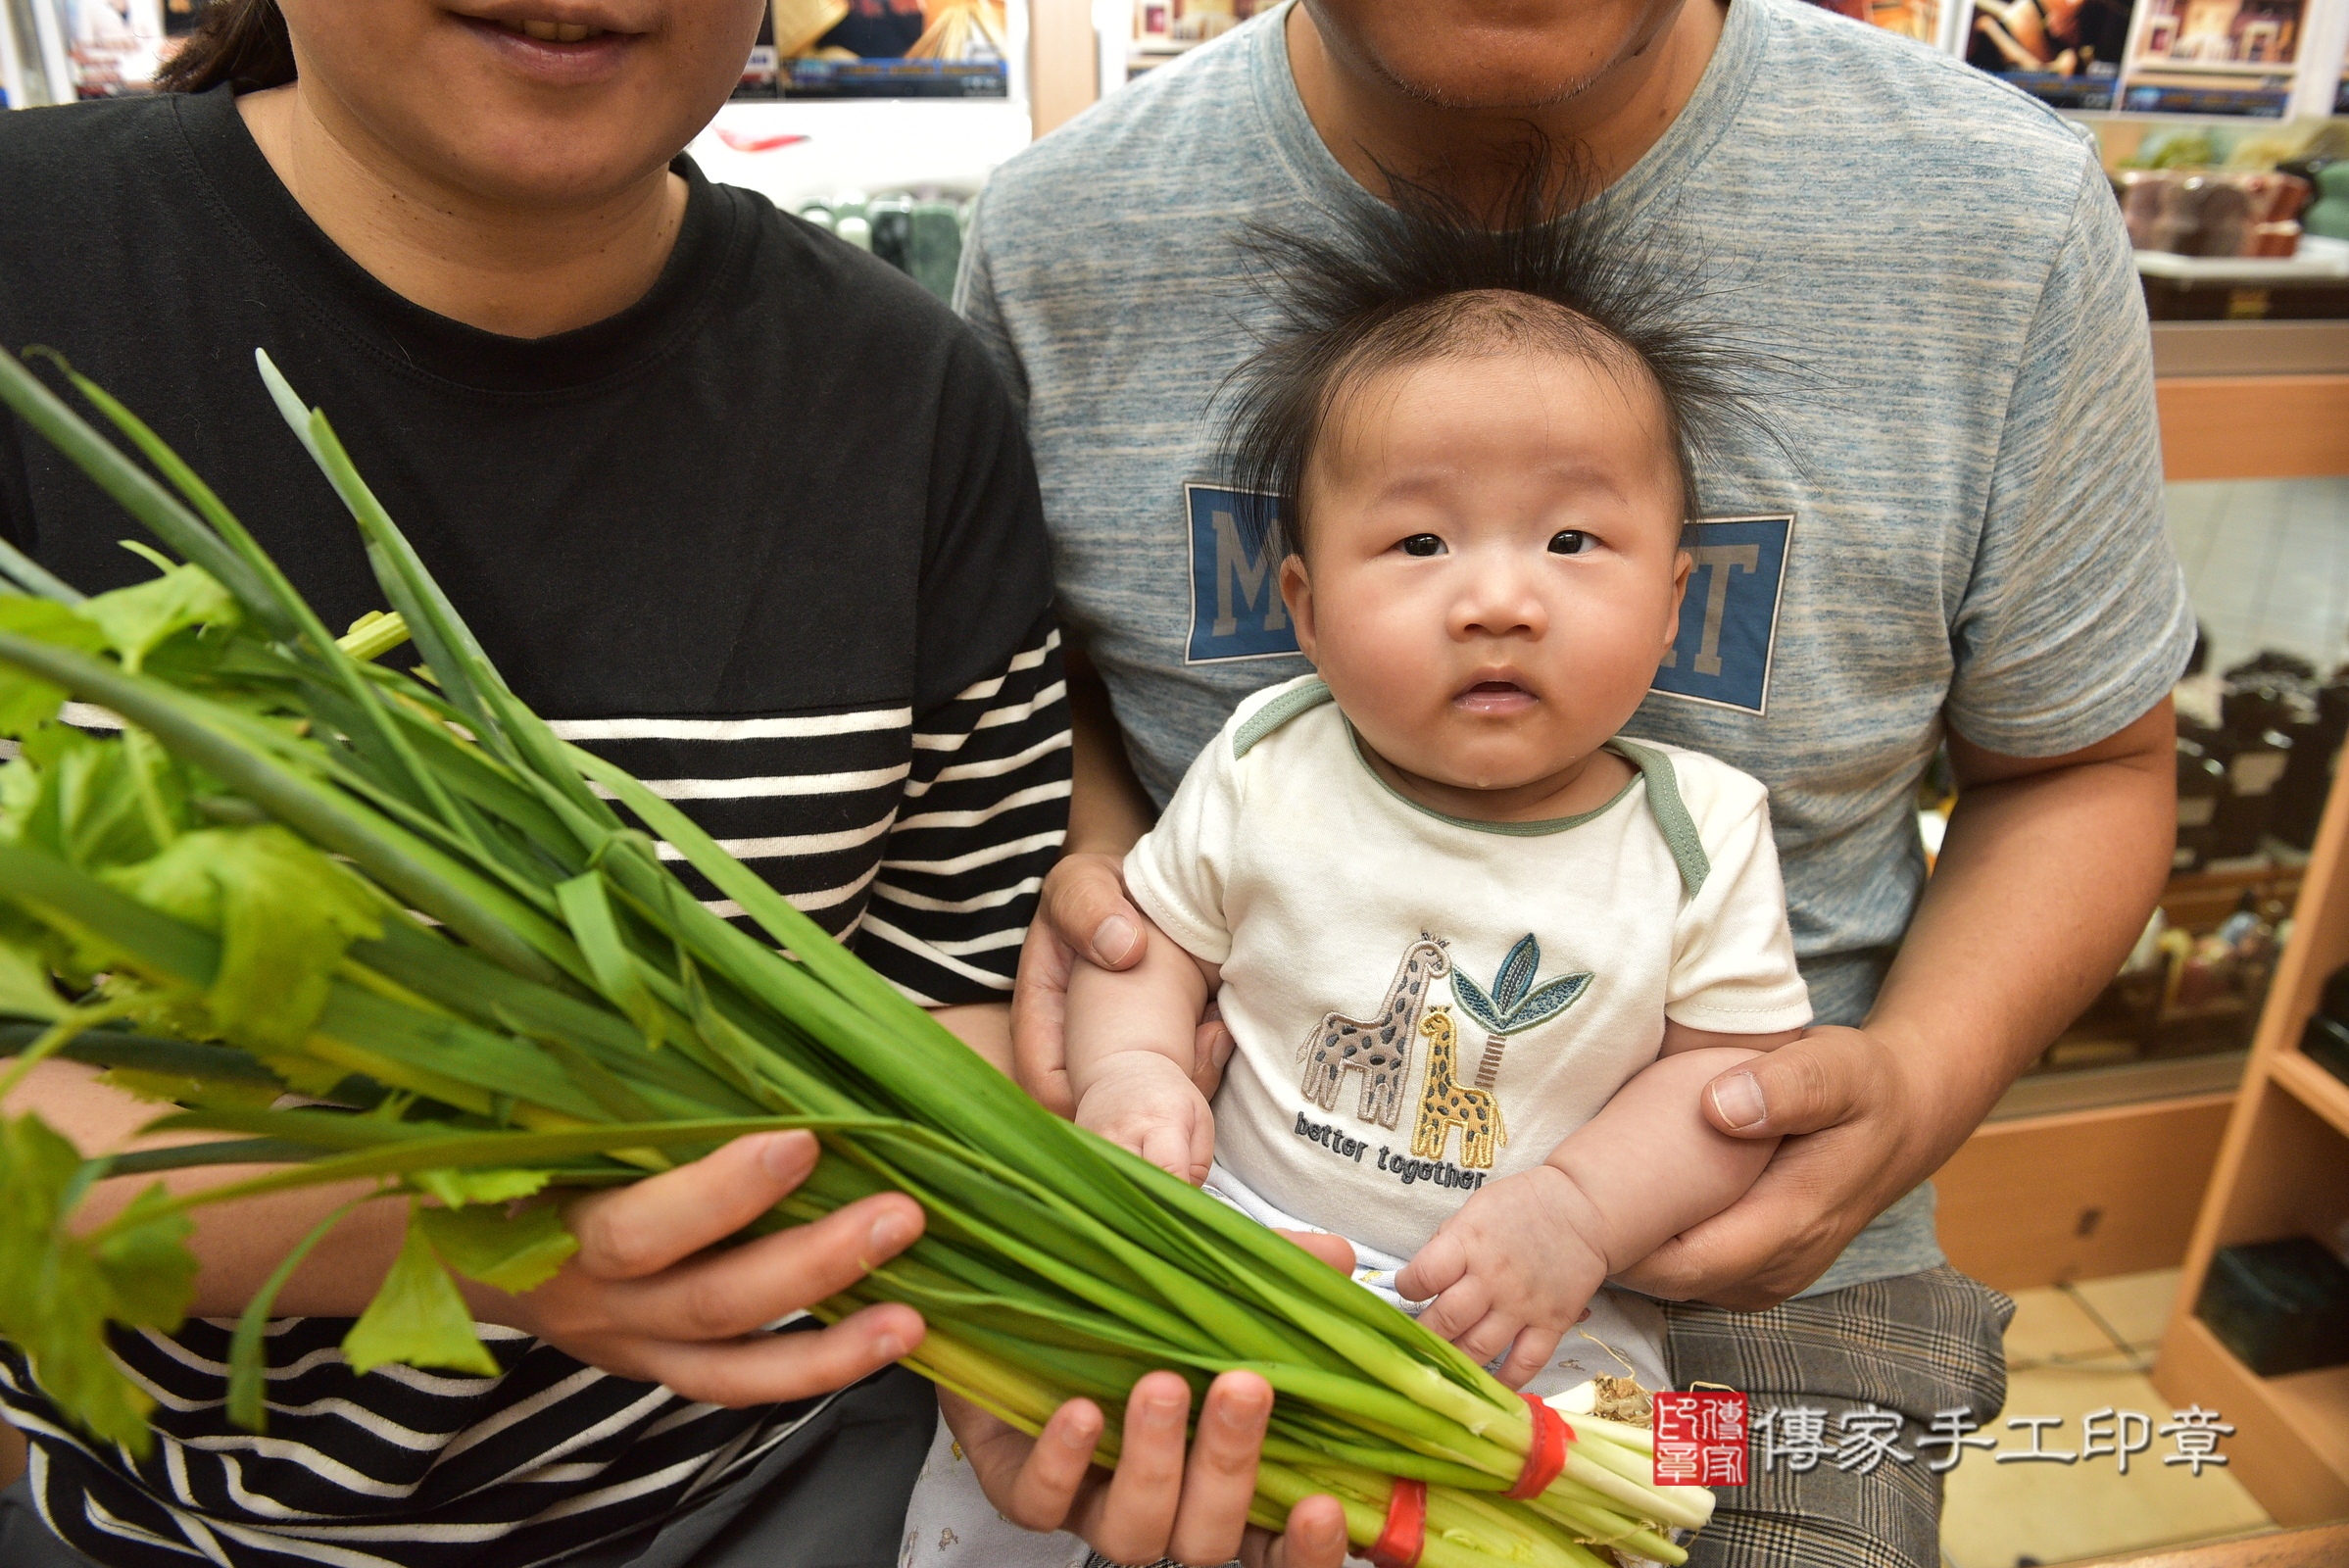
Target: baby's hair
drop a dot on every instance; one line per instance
(1427, 277)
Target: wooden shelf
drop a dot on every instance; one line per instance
(2290, 1446)
(2317, 1547)
(2282, 1170)
(2254, 426)
(2314, 1088)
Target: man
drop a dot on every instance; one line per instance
(1955, 535)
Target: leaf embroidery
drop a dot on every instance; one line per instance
(1551, 999)
(1516, 975)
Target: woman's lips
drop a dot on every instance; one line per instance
(1494, 697)
(560, 53)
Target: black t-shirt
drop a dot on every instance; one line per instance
(770, 538)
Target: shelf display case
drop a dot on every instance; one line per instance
(2282, 1172)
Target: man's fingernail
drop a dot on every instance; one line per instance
(1114, 938)
(1740, 1101)
(787, 1155)
(890, 1231)
(890, 1347)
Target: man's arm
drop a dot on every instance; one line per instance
(1109, 808)
(2049, 869)
(1084, 906)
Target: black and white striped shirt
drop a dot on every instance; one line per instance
(920, 842)
(769, 539)
(920, 839)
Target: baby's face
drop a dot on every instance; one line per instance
(1492, 567)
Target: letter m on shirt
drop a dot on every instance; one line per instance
(1236, 608)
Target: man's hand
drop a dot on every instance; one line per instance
(1083, 916)
(1159, 1503)
(2045, 877)
(1858, 1135)
(1512, 1270)
(644, 1298)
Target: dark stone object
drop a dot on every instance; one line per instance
(2279, 1307)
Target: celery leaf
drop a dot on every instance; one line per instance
(285, 915)
(417, 1319)
(138, 618)
(510, 1254)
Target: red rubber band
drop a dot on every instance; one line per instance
(1406, 1534)
(1547, 1456)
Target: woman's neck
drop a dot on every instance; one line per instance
(517, 272)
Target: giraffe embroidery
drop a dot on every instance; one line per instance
(1378, 1047)
(1445, 1102)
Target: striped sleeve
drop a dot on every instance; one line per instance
(985, 808)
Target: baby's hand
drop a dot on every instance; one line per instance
(1141, 1100)
(1511, 1270)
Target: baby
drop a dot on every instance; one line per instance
(1479, 952)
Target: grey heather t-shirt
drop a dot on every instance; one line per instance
(1972, 528)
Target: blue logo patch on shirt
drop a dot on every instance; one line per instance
(1236, 608)
(1729, 618)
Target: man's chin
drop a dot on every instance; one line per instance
(1484, 96)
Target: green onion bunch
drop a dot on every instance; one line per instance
(298, 873)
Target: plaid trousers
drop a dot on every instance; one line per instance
(1916, 1346)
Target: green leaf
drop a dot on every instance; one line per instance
(516, 1253)
(25, 988)
(85, 799)
(26, 700)
(248, 1378)
(588, 913)
(144, 1257)
(55, 1296)
(176, 1089)
(458, 1188)
(285, 915)
(138, 618)
(417, 1319)
(137, 490)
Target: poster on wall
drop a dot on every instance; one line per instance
(2066, 53)
(1920, 20)
(881, 49)
(112, 46)
(2213, 57)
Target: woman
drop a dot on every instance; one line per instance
(728, 502)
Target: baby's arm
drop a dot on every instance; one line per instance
(1130, 1036)
(1513, 1268)
(1656, 1124)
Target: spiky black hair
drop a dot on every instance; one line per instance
(1427, 276)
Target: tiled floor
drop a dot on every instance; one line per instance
(2266, 562)
(2070, 1351)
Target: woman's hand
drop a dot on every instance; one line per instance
(646, 1297)
(1083, 916)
